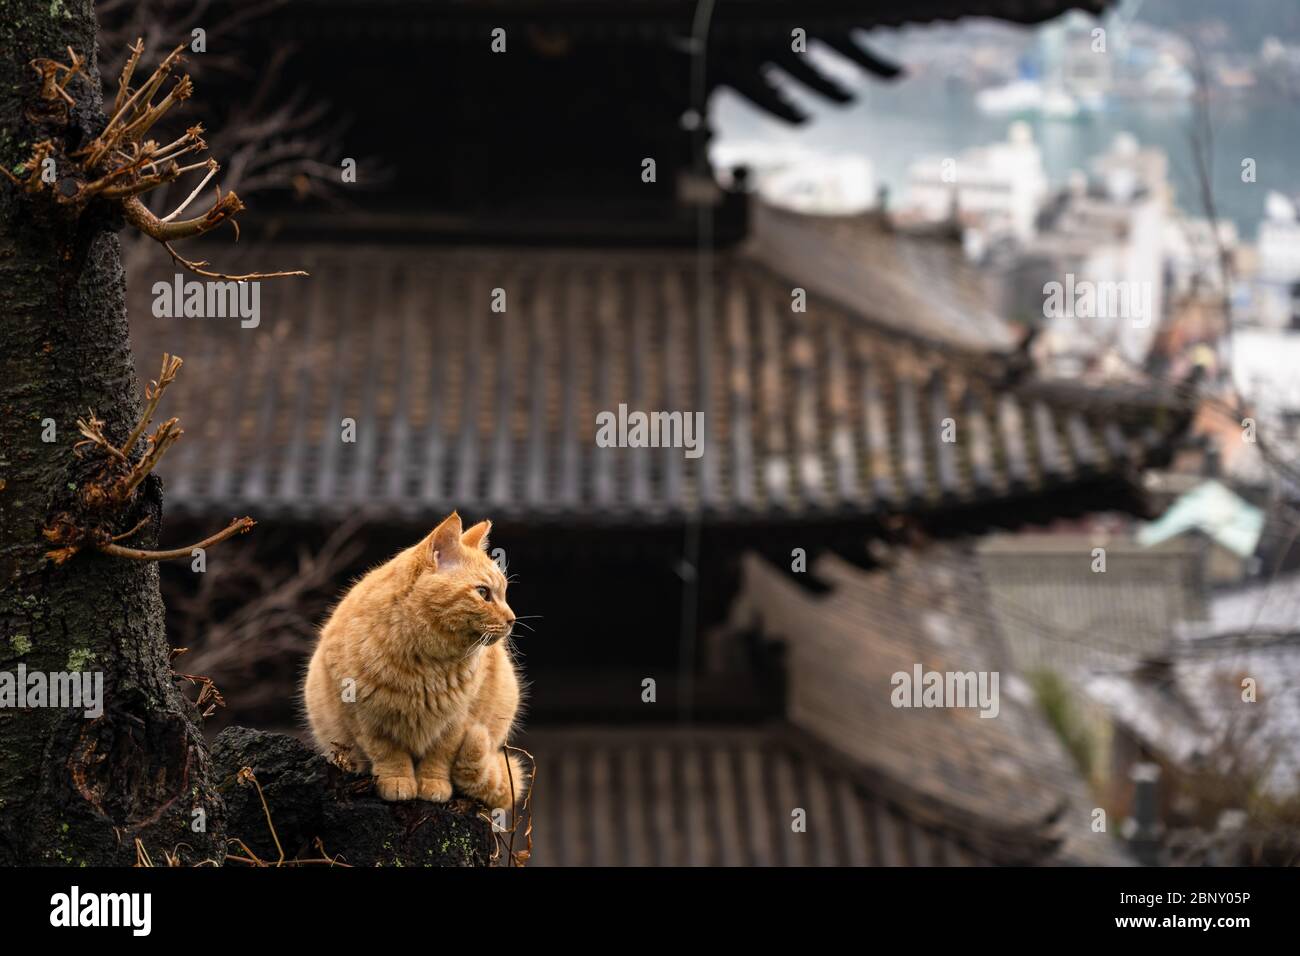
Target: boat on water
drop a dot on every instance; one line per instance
(1028, 98)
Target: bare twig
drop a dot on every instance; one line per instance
(247, 777)
(516, 857)
(120, 165)
(93, 429)
(213, 168)
(126, 534)
(153, 393)
(102, 501)
(238, 526)
(197, 268)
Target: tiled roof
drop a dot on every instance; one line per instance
(928, 609)
(1214, 510)
(916, 286)
(1270, 606)
(825, 412)
(726, 796)
(1191, 708)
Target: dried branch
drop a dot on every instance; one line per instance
(515, 857)
(521, 857)
(214, 167)
(167, 434)
(93, 429)
(120, 165)
(222, 210)
(153, 393)
(247, 778)
(208, 693)
(281, 136)
(103, 502)
(238, 526)
(126, 534)
(124, 79)
(197, 268)
(142, 857)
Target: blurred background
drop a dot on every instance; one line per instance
(832, 228)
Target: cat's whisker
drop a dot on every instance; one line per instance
(478, 645)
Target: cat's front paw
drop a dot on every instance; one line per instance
(396, 788)
(434, 789)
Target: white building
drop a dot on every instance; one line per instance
(1128, 169)
(790, 176)
(1192, 253)
(1266, 370)
(1265, 343)
(1104, 252)
(996, 189)
(1275, 297)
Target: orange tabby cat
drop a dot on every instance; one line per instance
(412, 675)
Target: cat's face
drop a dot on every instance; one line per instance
(460, 589)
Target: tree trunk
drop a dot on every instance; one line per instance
(76, 789)
(131, 780)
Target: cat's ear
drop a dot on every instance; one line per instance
(444, 543)
(477, 536)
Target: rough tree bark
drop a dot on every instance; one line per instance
(75, 790)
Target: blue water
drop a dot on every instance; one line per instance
(894, 124)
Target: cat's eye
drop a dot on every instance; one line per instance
(484, 592)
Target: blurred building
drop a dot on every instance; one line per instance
(801, 180)
(1219, 710)
(1276, 293)
(1102, 245)
(1229, 526)
(992, 193)
(1193, 255)
(1059, 612)
(1078, 602)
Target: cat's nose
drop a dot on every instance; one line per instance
(510, 616)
